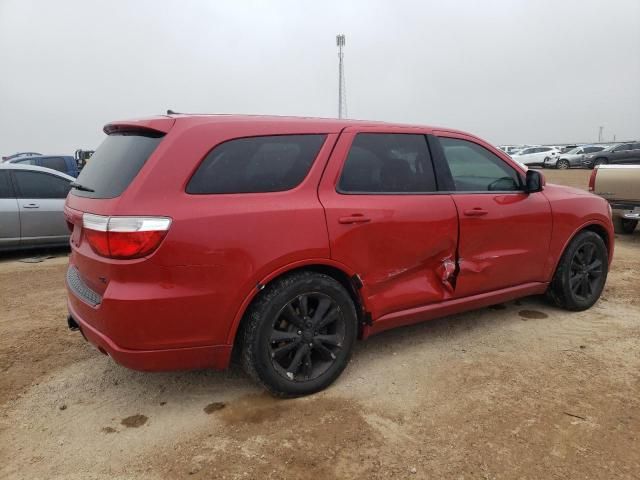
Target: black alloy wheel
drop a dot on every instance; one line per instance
(298, 335)
(306, 336)
(581, 273)
(585, 272)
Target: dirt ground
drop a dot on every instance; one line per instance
(521, 390)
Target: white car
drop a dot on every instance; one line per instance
(536, 156)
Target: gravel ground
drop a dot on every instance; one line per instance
(521, 390)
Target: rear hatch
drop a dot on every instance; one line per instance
(101, 241)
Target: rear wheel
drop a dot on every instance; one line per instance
(581, 273)
(624, 225)
(562, 164)
(299, 334)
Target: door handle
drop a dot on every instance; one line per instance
(475, 212)
(355, 218)
(30, 205)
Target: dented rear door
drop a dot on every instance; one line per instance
(385, 220)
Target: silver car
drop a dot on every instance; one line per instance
(573, 158)
(31, 206)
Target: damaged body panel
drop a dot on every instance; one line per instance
(496, 248)
(403, 246)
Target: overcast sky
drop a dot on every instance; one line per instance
(511, 71)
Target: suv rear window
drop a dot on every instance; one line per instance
(256, 164)
(56, 163)
(115, 164)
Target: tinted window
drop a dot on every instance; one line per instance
(26, 161)
(6, 191)
(622, 148)
(256, 164)
(40, 185)
(592, 149)
(475, 168)
(56, 163)
(115, 164)
(635, 146)
(388, 163)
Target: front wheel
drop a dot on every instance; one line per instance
(581, 273)
(299, 334)
(600, 161)
(562, 164)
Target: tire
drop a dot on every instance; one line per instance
(580, 276)
(315, 337)
(624, 225)
(562, 164)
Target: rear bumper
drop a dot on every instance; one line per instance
(628, 210)
(216, 357)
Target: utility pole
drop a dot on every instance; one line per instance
(342, 91)
(600, 129)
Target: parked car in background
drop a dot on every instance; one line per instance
(20, 154)
(628, 153)
(536, 156)
(566, 148)
(511, 149)
(287, 239)
(62, 163)
(31, 206)
(572, 158)
(620, 186)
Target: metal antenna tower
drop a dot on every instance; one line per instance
(342, 87)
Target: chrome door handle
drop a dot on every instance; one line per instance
(31, 205)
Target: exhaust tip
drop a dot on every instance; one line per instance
(73, 326)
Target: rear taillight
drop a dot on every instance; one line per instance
(124, 237)
(592, 179)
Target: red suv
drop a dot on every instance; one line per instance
(285, 239)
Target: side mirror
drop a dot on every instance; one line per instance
(534, 182)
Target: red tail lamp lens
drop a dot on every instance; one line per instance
(124, 237)
(592, 179)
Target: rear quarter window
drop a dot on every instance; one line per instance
(115, 164)
(256, 164)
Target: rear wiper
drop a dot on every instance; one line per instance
(81, 187)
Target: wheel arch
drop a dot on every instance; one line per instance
(594, 226)
(341, 273)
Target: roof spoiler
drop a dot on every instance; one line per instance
(154, 125)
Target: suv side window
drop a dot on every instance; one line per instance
(56, 163)
(6, 190)
(476, 169)
(622, 148)
(40, 185)
(256, 164)
(388, 163)
(635, 146)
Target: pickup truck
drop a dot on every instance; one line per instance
(62, 163)
(620, 186)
